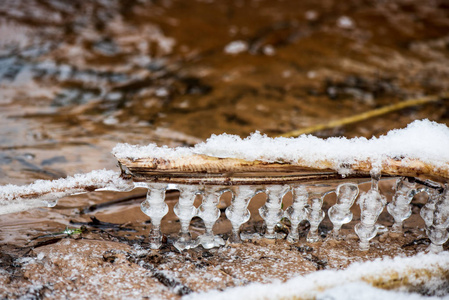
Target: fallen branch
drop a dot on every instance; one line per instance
(46, 193)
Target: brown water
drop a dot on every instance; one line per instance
(78, 77)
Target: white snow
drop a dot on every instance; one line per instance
(345, 22)
(363, 291)
(423, 139)
(269, 50)
(15, 198)
(335, 283)
(152, 150)
(236, 47)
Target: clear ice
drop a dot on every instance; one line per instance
(238, 212)
(400, 207)
(272, 211)
(304, 207)
(155, 207)
(297, 212)
(209, 213)
(371, 206)
(315, 216)
(340, 213)
(185, 211)
(436, 216)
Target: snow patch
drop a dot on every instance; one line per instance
(332, 284)
(41, 193)
(345, 22)
(236, 47)
(359, 290)
(423, 140)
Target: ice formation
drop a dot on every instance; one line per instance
(371, 205)
(155, 207)
(436, 216)
(238, 212)
(315, 216)
(273, 166)
(297, 212)
(272, 212)
(400, 207)
(340, 213)
(209, 212)
(185, 211)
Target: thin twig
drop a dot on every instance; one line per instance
(121, 200)
(367, 115)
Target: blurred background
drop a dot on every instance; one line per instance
(77, 77)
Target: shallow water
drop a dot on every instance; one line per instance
(78, 77)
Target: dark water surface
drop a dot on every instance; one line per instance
(77, 77)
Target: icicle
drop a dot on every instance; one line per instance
(340, 213)
(156, 208)
(400, 207)
(272, 212)
(315, 216)
(209, 212)
(185, 210)
(428, 210)
(436, 216)
(238, 212)
(297, 212)
(371, 205)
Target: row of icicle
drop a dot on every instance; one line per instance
(305, 207)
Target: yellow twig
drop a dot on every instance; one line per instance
(367, 115)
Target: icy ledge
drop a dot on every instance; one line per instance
(45, 193)
(401, 274)
(423, 140)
